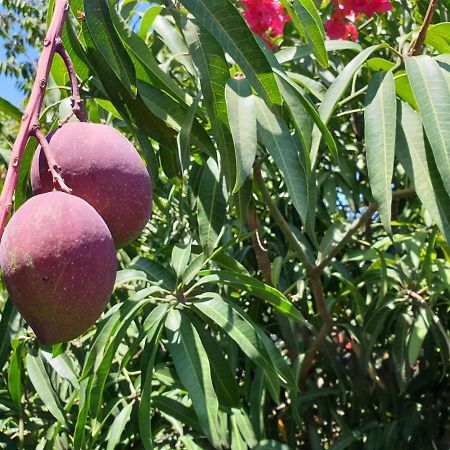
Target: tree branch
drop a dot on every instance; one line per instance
(281, 222)
(30, 118)
(327, 324)
(260, 251)
(415, 49)
(75, 98)
(360, 222)
(53, 167)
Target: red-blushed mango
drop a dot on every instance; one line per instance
(101, 166)
(59, 265)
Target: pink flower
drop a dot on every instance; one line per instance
(339, 29)
(350, 8)
(370, 7)
(344, 8)
(265, 18)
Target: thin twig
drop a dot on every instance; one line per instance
(415, 49)
(360, 222)
(421, 302)
(261, 253)
(327, 324)
(77, 101)
(30, 118)
(53, 166)
(281, 222)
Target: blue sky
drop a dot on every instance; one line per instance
(8, 89)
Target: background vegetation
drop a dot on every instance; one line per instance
(291, 290)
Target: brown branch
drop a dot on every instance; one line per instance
(327, 323)
(30, 118)
(415, 49)
(77, 101)
(262, 256)
(422, 303)
(279, 219)
(360, 222)
(53, 167)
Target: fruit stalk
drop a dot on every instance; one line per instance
(30, 118)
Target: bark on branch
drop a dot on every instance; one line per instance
(30, 118)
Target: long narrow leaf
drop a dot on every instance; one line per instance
(211, 206)
(432, 94)
(41, 382)
(222, 20)
(336, 92)
(242, 118)
(193, 368)
(380, 129)
(275, 135)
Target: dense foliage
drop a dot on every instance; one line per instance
(292, 288)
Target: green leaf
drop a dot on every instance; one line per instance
(148, 19)
(118, 427)
(180, 259)
(223, 379)
(211, 206)
(156, 273)
(127, 275)
(148, 152)
(176, 115)
(312, 27)
(214, 73)
(21, 191)
(237, 442)
(8, 314)
(83, 409)
(257, 402)
(237, 326)
(243, 424)
(15, 372)
(192, 365)
(288, 54)
(379, 125)
(223, 20)
(184, 136)
(177, 410)
(400, 350)
(265, 292)
(174, 42)
(41, 382)
(418, 161)
(143, 57)
(10, 110)
(432, 94)
(310, 108)
(63, 366)
(242, 118)
(336, 92)
(103, 33)
(105, 328)
(275, 135)
(151, 347)
(123, 318)
(194, 267)
(418, 334)
(438, 36)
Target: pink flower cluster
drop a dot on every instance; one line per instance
(266, 18)
(339, 28)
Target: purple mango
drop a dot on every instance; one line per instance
(59, 265)
(101, 166)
